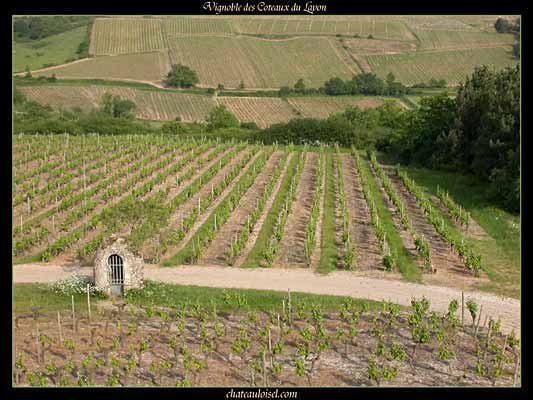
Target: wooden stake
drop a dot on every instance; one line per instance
(478, 319)
(463, 309)
(89, 301)
(517, 363)
(59, 326)
(73, 313)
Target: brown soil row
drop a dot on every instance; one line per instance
(292, 251)
(215, 253)
(363, 236)
(408, 240)
(259, 224)
(450, 270)
(202, 218)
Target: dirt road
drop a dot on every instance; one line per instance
(341, 283)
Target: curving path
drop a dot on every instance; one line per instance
(299, 280)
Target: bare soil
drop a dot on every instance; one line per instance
(292, 251)
(345, 363)
(215, 253)
(363, 236)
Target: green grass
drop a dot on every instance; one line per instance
(52, 50)
(406, 263)
(265, 300)
(328, 255)
(29, 295)
(501, 253)
(267, 229)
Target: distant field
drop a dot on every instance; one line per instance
(362, 25)
(259, 63)
(142, 67)
(126, 35)
(55, 49)
(157, 105)
(322, 107)
(196, 25)
(453, 66)
(151, 105)
(264, 111)
(450, 39)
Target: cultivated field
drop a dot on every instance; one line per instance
(247, 340)
(264, 111)
(258, 62)
(151, 67)
(323, 106)
(293, 208)
(453, 66)
(159, 105)
(113, 36)
(151, 105)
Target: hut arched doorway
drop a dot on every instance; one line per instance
(115, 265)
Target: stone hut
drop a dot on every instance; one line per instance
(116, 268)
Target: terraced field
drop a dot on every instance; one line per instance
(258, 62)
(453, 66)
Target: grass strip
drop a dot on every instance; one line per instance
(267, 230)
(406, 263)
(328, 255)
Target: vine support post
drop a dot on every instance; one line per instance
(73, 312)
(463, 309)
(89, 301)
(59, 327)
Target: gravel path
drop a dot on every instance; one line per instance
(341, 283)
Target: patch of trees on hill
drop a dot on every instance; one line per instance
(478, 132)
(503, 25)
(35, 28)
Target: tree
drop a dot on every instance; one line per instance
(116, 107)
(299, 86)
(122, 107)
(284, 91)
(220, 86)
(221, 117)
(241, 85)
(181, 76)
(390, 78)
(335, 86)
(28, 72)
(503, 25)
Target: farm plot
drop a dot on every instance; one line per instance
(378, 26)
(112, 36)
(264, 111)
(175, 26)
(258, 63)
(457, 39)
(230, 343)
(453, 66)
(293, 245)
(323, 106)
(151, 105)
(232, 203)
(150, 67)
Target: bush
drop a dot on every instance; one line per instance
(75, 284)
(181, 76)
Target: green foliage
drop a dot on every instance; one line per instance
(181, 76)
(34, 28)
(220, 117)
(114, 106)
